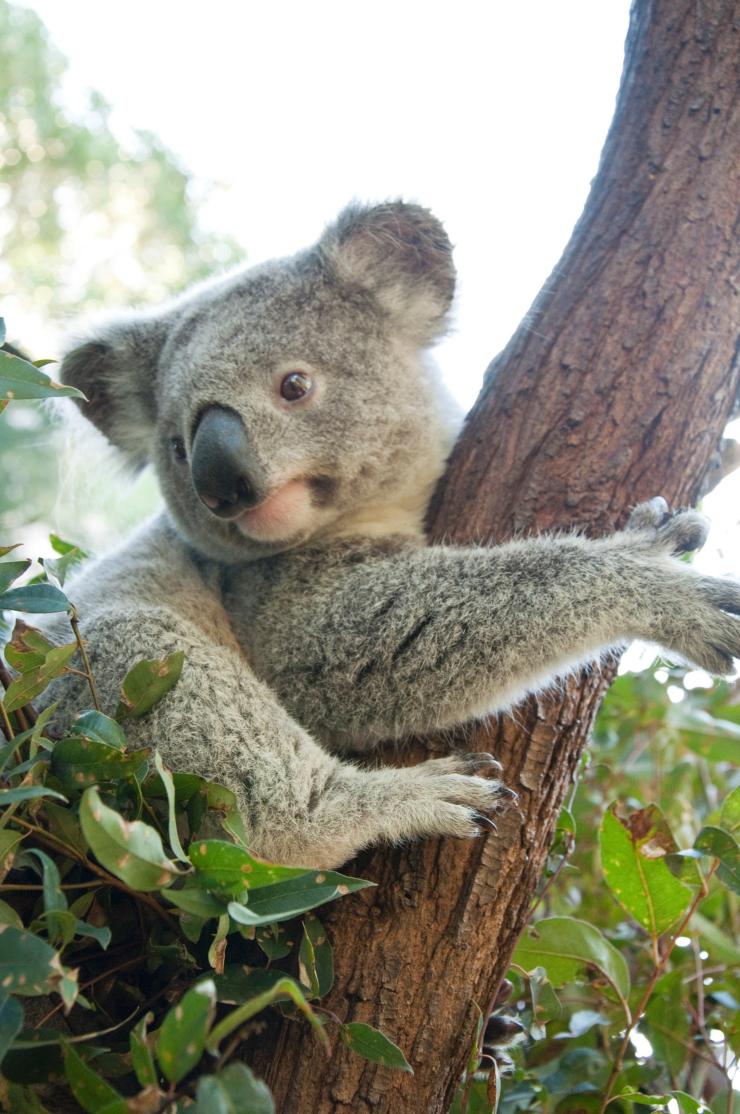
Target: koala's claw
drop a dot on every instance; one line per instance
(480, 760)
(680, 531)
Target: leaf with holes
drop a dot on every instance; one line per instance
(132, 850)
(182, 1036)
(147, 683)
(78, 762)
(633, 857)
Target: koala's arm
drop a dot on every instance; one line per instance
(386, 646)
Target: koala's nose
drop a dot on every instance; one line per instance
(218, 463)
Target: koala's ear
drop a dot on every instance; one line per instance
(116, 368)
(402, 254)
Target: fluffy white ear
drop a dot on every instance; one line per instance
(116, 368)
(402, 255)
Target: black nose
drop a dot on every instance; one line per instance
(219, 461)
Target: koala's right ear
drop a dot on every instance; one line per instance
(116, 369)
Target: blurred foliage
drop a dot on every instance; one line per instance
(90, 218)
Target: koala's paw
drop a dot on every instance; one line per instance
(448, 797)
(710, 634)
(674, 532)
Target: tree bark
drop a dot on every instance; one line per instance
(615, 388)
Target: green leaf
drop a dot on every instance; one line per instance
(235, 1090)
(633, 853)
(132, 850)
(11, 1020)
(8, 915)
(54, 900)
(182, 1037)
(141, 1054)
(373, 1045)
(315, 959)
(196, 902)
(37, 598)
(64, 825)
(274, 941)
(11, 570)
(169, 787)
(230, 870)
(720, 845)
(566, 947)
(27, 793)
(28, 965)
(59, 568)
(288, 899)
(100, 728)
(147, 683)
(36, 673)
(80, 762)
(669, 1023)
(730, 815)
(92, 1092)
(20, 379)
(284, 987)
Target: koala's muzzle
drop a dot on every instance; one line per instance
(219, 463)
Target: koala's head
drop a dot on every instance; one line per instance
(290, 401)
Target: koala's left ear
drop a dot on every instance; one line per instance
(116, 368)
(400, 253)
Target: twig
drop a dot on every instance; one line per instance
(6, 724)
(85, 660)
(109, 879)
(63, 886)
(657, 972)
(134, 961)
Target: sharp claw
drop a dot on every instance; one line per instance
(482, 758)
(485, 821)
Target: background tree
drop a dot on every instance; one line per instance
(91, 218)
(615, 388)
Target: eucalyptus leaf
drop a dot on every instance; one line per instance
(230, 870)
(79, 762)
(11, 570)
(169, 787)
(721, 845)
(373, 1045)
(315, 958)
(284, 900)
(11, 1020)
(100, 728)
(94, 1094)
(28, 793)
(36, 598)
(132, 850)
(633, 857)
(147, 683)
(235, 1090)
(28, 965)
(567, 948)
(182, 1036)
(730, 814)
(20, 379)
(141, 1054)
(284, 987)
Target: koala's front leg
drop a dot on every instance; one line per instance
(300, 804)
(389, 645)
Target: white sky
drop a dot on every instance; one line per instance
(492, 114)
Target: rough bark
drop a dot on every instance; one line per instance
(615, 388)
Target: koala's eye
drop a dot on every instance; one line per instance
(295, 385)
(178, 448)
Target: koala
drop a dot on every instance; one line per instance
(298, 428)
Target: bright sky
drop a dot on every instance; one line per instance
(492, 114)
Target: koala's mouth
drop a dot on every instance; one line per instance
(289, 511)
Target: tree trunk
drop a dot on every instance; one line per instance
(615, 388)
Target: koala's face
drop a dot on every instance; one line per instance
(285, 402)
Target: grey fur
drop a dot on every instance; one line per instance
(341, 628)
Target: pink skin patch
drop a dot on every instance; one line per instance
(281, 516)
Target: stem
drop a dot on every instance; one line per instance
(7, 727)
(109, 879)
(657, 972)
(85, 659)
